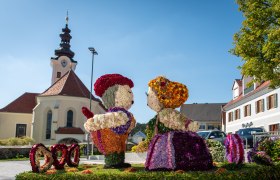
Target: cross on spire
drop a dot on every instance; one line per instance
(67, 18)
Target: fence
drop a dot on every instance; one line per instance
(257, 137)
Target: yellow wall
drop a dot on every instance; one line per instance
(59, 105)
(8, 123)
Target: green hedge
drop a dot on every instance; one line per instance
(14, 141)
(248, 171)
(9, 153)
(217, 150)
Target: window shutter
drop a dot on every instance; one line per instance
(267, 102)
(249, 109)
(275, 100)
(256, 107)
(262, 102)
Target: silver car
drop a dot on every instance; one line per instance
(213, 134)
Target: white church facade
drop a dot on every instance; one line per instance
(53, 116)
(252, 106)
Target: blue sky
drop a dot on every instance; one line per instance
(185, 40)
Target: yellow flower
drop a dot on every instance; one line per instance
(170, 94)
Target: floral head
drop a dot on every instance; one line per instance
(109, 80)
(170, 94)
(115, 90)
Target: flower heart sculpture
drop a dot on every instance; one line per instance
(75, 150)
(51, 157)
(36, 152)
(59, 164)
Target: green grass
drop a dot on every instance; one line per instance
(247, 171)
(15, 159)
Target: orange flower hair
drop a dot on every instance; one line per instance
(170, 94)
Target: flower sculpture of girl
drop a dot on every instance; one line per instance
(175, 145)
(110, 131)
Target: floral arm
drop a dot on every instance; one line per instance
(108, 120)
(132, 124)
(173, 119)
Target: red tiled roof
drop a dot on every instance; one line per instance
(69, 130)
(260, 87)
(23, 104)
(70, 85)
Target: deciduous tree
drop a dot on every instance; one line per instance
(258, 40)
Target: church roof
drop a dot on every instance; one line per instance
(23, 104)
(70, 85)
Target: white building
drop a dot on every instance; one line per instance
(53, 116)
(252, 106)
(138, 137)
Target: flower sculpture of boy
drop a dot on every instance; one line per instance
(110, 131)
(175, 145)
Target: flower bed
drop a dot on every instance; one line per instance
(93, 171)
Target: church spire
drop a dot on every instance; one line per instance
(64, 49)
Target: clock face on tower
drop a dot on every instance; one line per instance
(64, 63)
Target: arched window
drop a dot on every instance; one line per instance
(49, 125)
(69, 119)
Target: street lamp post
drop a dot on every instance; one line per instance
(92, 50)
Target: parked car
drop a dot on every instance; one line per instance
(247, 133)
(213, 134)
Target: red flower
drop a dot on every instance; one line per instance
(108, 80)
(87, 112)
(162, 84)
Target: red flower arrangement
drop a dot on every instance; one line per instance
(59, 164)
(87, 112)
(36, 151)
(39, 150)
(73, 149)
(108, 80)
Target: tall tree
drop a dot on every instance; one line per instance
(258, 40)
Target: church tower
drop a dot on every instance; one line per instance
(63, 60)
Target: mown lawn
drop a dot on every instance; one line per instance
(94, 171)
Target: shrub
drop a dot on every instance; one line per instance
(271, 146)
(3, 142)
(261, 157)
(9, 153)
(143, 146)
(14, 141)
(216, 149)
(26, 140)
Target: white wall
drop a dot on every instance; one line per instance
(263, 119)
(57, 67)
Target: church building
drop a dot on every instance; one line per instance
(53, 116)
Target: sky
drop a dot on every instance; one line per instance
(187, 41)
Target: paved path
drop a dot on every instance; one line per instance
(9, 169)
